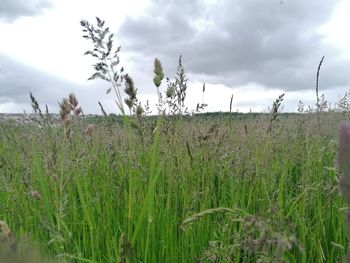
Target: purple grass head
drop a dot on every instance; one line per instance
(344, 148)
(343, 160)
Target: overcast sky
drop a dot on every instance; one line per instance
(252, 49)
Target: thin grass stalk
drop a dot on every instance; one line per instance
(154, 175)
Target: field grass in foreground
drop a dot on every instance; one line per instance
(185, 190)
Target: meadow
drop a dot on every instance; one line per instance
(177, 187)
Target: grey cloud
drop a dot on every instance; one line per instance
(10, 10)
(17, 80)
(272, 43)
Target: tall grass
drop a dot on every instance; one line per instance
(206, 193)
(200, 188)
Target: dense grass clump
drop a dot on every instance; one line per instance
(195, 189)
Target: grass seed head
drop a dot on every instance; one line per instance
(158, 71)
(130, 91)
(88, 130)
(64, 109)
(73, 101)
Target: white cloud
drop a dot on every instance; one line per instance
(53, 41)
(50, 41)
(337, 29)
(13, 9)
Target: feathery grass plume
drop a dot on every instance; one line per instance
(74, 107)
(139, 110)
(170, 91)
(201, 106)
(211, 211)
(73, 101)
(69, 111)
(48, 119)
(343, 161)
(65, 116)
(181, 86)
(274, 112)
(146, 108)
(323, 104)
(230, 116)
(69, 108)
(319, 108)
(301, 106)
(41, 121)
(343, 104)
(317, 78)
(65, 111)
(35, 104)
(78, 111)
(176, 91)
(107, 57)
(102, 109)
(134, 105)
(130, 91)
(158, 71)
(157, 80)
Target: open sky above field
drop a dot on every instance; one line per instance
(252, 49)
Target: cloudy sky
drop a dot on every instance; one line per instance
(252, 49)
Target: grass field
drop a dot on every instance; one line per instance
(221, 188)
(176, 187)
